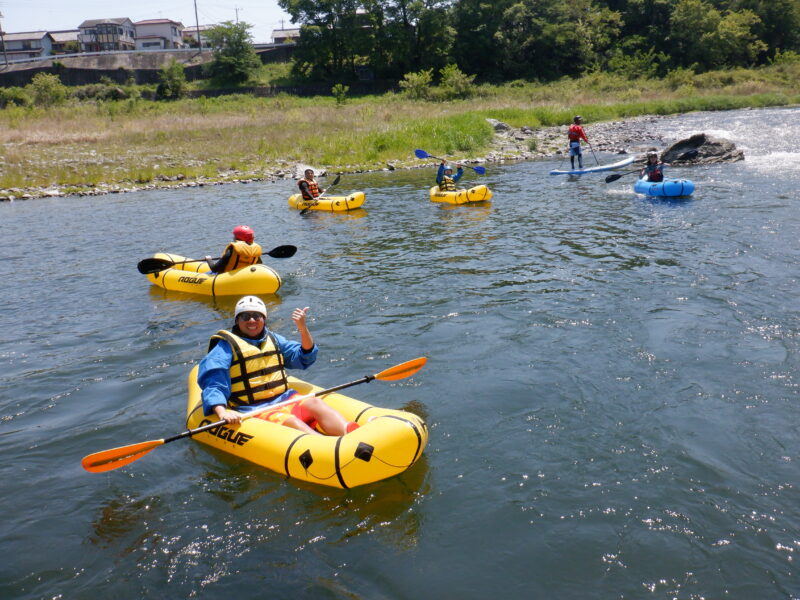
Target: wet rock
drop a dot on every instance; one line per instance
(702, 149)
(498, 125)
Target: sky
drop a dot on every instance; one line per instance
(49, 15)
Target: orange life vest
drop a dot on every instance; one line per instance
(313, 189)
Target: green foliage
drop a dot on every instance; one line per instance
(456, 84)
(47, 90)
(14, 96)
(417, 86)
(104, 92)
(235, 59)
(339, 92)
(785, 58)
(172, 81)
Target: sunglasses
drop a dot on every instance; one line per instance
(246, 316)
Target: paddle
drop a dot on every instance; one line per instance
(154, 265)
(616, 176)
(593, 154)
(316, 200)
(422, 154)
(108, 460)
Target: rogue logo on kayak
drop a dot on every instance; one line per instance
(228, 434)
(191, 279)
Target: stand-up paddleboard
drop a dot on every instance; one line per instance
(617, 165)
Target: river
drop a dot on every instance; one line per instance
(611, 388)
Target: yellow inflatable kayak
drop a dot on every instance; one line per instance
(382, 447)
(479, 193)
(329, 203)
(191, 277)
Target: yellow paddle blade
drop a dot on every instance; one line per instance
(108, 460)
(407, 369)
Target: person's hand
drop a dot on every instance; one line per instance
(229, 416)
(208, 259)
(299, 318)
(459, 166)
(444, 162)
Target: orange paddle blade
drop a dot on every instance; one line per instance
(108, 460)
(407, 369)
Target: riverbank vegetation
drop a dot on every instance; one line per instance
(79, 145)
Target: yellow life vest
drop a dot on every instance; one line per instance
(242, 255)
(448, 184)
(257, 372)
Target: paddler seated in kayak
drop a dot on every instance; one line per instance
(309, 187)
(445, 178)
(653, 170)
(575, 135)
(241, 252)
(244, 369)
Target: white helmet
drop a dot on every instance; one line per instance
(250, 303)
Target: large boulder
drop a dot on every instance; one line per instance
(702, 149)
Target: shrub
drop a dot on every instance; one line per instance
(172, 81)
(15, 96)
(417, 86)
(47, 90)
(339, 92)
(456, 84)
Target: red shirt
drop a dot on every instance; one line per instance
(576, 132)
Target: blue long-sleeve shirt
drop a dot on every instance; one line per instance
(440, 174)
(214, 374)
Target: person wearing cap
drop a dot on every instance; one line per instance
(245, 369)
(445, 178)
(653, 169)
(575, 135)
(241, 252)
(309, 187)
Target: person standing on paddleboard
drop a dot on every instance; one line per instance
(244, 370)
(575, 135)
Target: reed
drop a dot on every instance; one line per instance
(138, 142)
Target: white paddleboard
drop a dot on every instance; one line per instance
(617, 165)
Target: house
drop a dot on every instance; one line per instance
(158, 33)
(285, 36)
(100, 35)
(27, 44)
(65, 41)
(192, 33)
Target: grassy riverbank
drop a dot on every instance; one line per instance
(136, 143)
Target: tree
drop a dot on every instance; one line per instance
(547, 39)
(235, 59)
(734, 43)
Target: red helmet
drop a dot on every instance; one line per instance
(244, 233)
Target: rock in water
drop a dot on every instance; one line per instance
(702, 149)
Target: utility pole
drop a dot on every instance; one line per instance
(237, 9)
(3, 41)
(197, 24)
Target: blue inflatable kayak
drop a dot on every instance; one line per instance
(666, 188)
(617, 165)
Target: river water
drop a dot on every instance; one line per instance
(611, 388)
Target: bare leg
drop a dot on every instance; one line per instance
(329, 419)
(298, 424)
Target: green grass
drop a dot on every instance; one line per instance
(139, 142)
